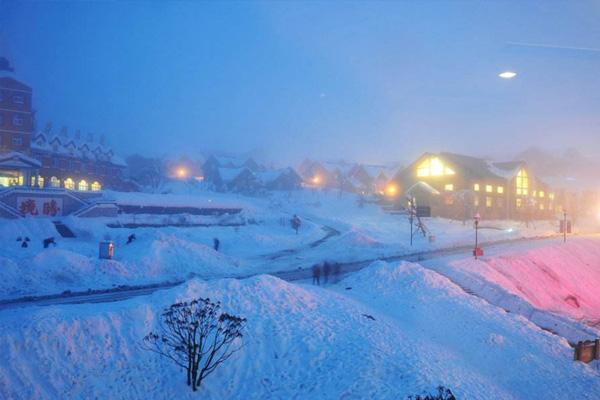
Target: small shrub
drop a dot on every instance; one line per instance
(442, 394)
(196, 336)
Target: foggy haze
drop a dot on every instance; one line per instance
(371, 82)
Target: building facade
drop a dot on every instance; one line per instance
(59, 161)
(458, 186)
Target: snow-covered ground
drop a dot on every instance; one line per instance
(561, 278)
(266, 243)
(301, 342)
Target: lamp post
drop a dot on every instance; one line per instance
(564, 226)
(477, 252)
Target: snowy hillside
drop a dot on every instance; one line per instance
(386, 332)
(563, 279)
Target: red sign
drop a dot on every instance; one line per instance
(40, 206)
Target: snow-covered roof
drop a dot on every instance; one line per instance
(18, 160)
(229, 174)
(74, 147)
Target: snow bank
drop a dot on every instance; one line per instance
(399, 330)
(563, 279)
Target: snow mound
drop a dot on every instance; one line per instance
(399, 330)
(563, 279)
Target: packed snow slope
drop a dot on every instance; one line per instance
(386, 332)
(562, 278)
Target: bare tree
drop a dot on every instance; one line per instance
(196, 336)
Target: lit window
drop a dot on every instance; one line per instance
(54, 182)
(476, 201)
(433, 166)
(489, 189)
(519, 203)
(83, 185)
(96, 186)
(69, 184)
(541, 194)
(449, 187)
(534, 193)
(522, 183)
(17, 120)
(551, 196)
(488, 201)
(41, 181)
(476, 187)
(542, 206)
(500, 189)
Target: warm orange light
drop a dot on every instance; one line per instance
(181, 172)
(391, 190)
(317, 180)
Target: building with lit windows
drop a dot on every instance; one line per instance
(458, 186)
(45, 159)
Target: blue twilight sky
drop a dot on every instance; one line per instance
(368, 81)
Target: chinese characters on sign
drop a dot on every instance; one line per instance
(40, 206)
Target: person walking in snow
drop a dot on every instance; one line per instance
(296, 222)
(326, 271)
(336, 270)
(216, 244)
(316, 273)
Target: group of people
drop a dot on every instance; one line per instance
(326, 269)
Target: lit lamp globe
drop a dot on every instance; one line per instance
(507, 74)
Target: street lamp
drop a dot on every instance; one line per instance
(477, 251)
(564, 226)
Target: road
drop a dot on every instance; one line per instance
(124, 293)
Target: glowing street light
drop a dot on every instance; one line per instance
(316, 180)
(507, 74)
(181, 172)
(391, 190)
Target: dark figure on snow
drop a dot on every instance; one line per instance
(131, 238)
(296, 222)
(336, 270)
(48, 241)
(316, 272)
(216, 244)
(326, 271)
(24, 242)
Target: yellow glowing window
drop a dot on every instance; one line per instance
(20, 180)
(69, 184)
(551, 196)
(448, 187)
(476, 187)
(500, 189)
(83, 185)
(433, 166)
(541, 194)
(96, 186)
(54, 182)
(519, 203)
(41, 181)
(522, 183)
(489, 189)
(488, 201)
